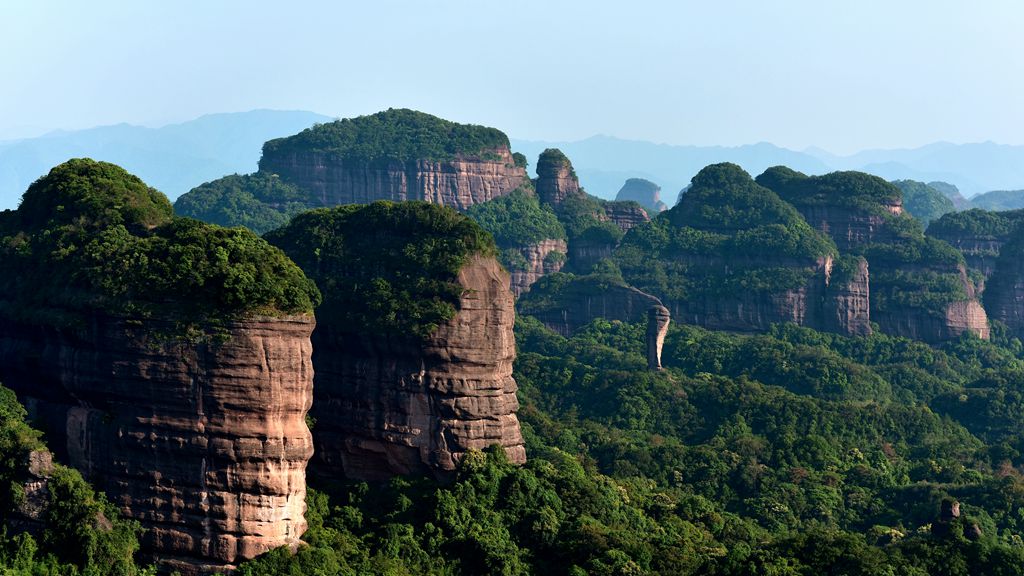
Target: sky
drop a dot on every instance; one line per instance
(841, 75)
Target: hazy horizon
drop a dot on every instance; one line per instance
(800, 74)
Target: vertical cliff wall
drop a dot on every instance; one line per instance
(205, 444)
(413, 346)
(389, 405)
(331, 179)
(541, 258)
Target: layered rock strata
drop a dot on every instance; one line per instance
(542, 258)
(388, 405)
(205, 444)
(626, 215)
(556, 179)
(331, 179)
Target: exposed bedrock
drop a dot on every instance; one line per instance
(388, 405)
(542, 258)
(205, 444)
(331, 179)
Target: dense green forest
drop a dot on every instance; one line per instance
(923, 201)
(794, 452)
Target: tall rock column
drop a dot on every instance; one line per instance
(657, 327)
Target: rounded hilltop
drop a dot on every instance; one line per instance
(89, 237)
(394, 134)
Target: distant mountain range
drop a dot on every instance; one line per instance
(603, 163)
(178, 157)
(173, 158)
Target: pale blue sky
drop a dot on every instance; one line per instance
(843, 75)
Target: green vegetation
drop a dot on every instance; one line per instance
(922, 201)
(394, 134)
(89, 236)
(854, 190)
(727, 235)
(260, 202)
(517, 219)
(386, 267)
(81, 533)
(790, 453)
(976, 223)
(999, 200)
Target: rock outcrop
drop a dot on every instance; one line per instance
(331, 180)
(643, 192)
(556, 179)
(846, 308)
(205, 444)
(1004, 294)
(387, 406)
(625, 215)
(564, 303)
(979, 235)
(658, 318)
(408, 379)
(542, 258)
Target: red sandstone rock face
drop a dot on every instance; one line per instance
(626, 215)
(980, 252)
(460, 183)
(539, 262)
(556, 179)
(205, 444)
(390, 405)
(847, 305)
(849, 228)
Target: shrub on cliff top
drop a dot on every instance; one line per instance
(977, 222)
(394, 134)
(90, 236)
(386, 267)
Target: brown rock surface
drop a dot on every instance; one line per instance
(388, 405)
(538, 263)
(847, 304)
(658, 318)
(626, 215)
(332, 180)
(204, 444)
(848, 228)
(556, 179)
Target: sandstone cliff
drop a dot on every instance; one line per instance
(625, 215)
(390, 405)
(206, 445)
(541, 258)
(1004, 296)
(413, 348)
(979, 235)
(331, 179)
(556, 179)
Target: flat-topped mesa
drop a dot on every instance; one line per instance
(852, 208)
(732, 255)
(396, 155)
(169, 359)
(413, 349)
(643, 192)
(919, 285)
